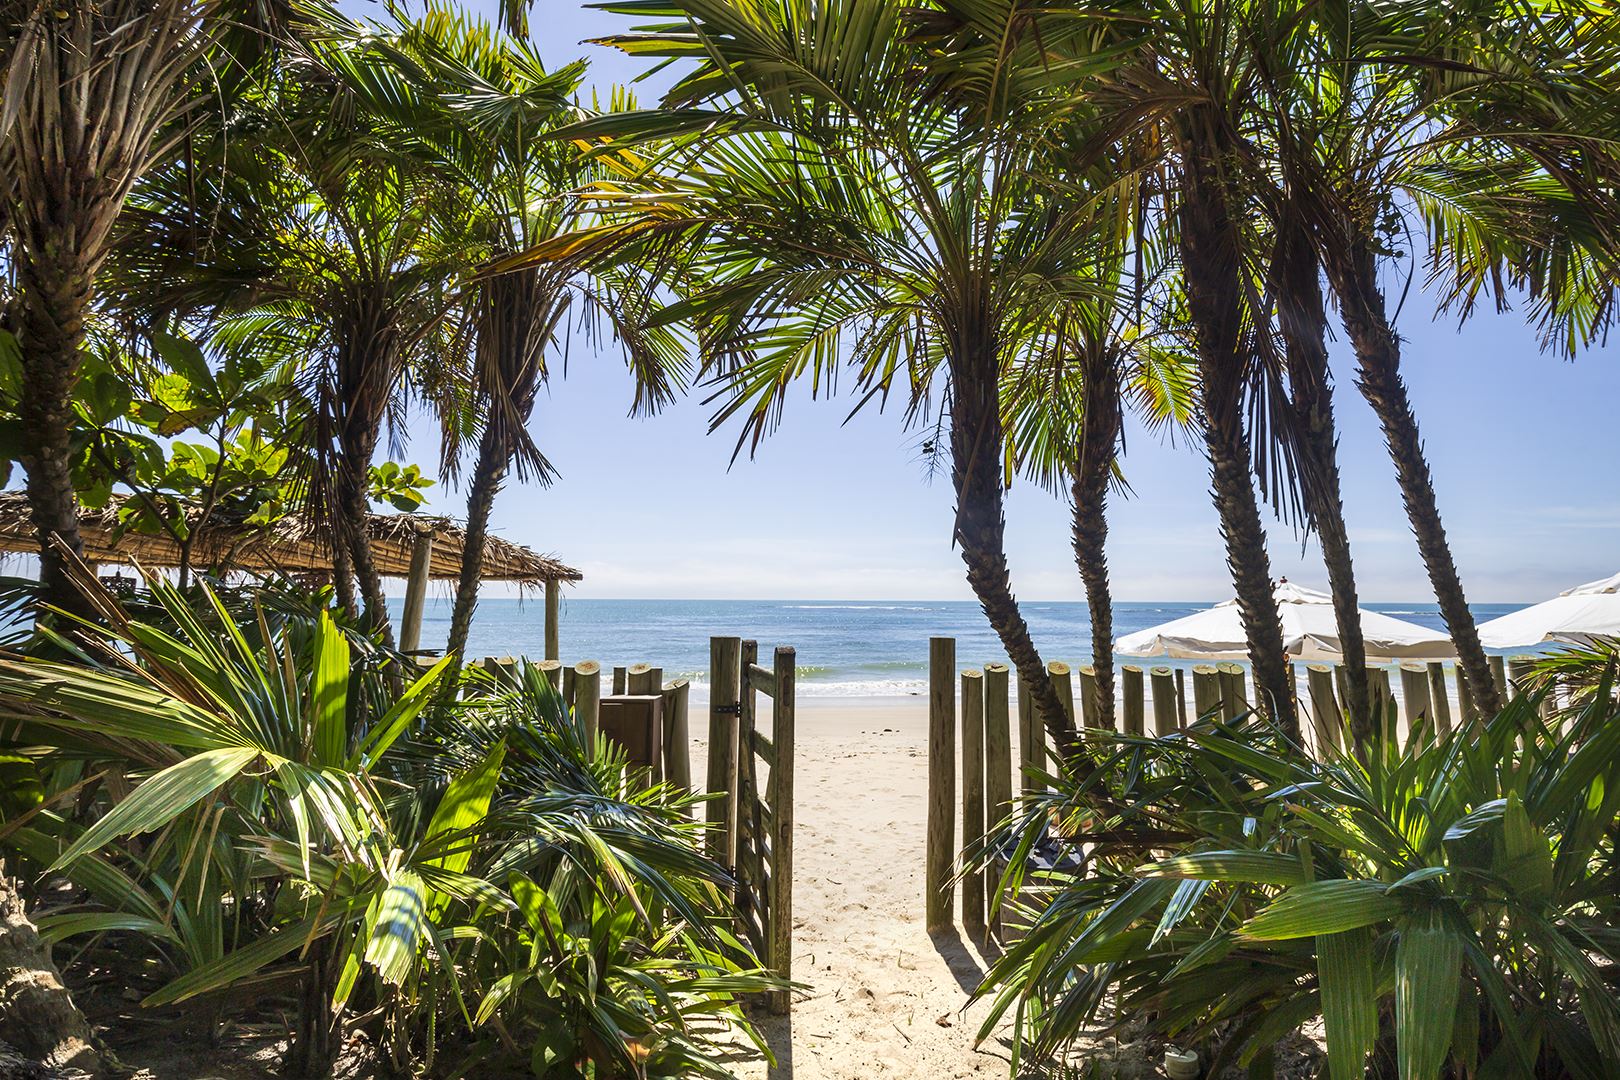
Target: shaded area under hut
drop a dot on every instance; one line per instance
(416, 547)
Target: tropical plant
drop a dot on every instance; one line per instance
(1443, 903)
(288, 815)
(848, 203)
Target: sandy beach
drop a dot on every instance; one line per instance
(885, 998)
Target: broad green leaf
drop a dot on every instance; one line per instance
(163, 797)
(1428, 973)
(396, 933)
(54, 928)
(329, 693)
(241, 963)
(1323, 907)
(1528, 854)
(1344, 971)
(1261, 867)
(398, 718)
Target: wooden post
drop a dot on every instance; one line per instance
(552, 670)
(677, 734)
(1467, 711)
(1326, 718)
(1206, 690)
(938, 890)
(553, 615)
(1521, 669)
(1499, 677)
(998, 776)
(781, 795)
(619, 677)
(1181, 699)
(1382, 700)
(1438, 699)
(1089, 704)
(1234, 696)
(1166, 703)
(1031, 737)
(416, 590)
(1134, 713)
(972, 801)
(588, 698)
(725, 654)
(643, 679)
(568, 686)
(1063, 683)
(1415, 698)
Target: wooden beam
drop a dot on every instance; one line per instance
(416, 589)
(1167, 715)
(553, 616)
(725, 658)
(998, 778)
(972, 800)
(781, 787)
(939, 893)
(588, 698)
(1135, 706)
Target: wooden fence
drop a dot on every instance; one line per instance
(752, 827)
(1159, 694)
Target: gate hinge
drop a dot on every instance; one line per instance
(729, 710)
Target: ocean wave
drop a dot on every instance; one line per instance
(855, 607)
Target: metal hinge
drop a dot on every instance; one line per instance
(729, 710)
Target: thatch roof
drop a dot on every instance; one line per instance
(291, 546)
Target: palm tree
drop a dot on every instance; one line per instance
(91, 91)
(327, 235)
(844, 209)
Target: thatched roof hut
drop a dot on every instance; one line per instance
(292, 546)
(295, 547)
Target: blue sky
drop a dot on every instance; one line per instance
(1523, 447)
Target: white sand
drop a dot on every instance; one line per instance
(885, 998)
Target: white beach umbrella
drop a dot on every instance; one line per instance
(1574, 617)
(1310, 632)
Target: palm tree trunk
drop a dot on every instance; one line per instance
(37, 1014)
(981, 524)
(488, 474)
(1303, 319)
(1353, 270)
(54, 296)
(354, 505)
(1099, 439)
(1211, 264)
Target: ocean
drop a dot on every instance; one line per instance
(856, 648)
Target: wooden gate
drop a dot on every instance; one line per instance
(751, 829)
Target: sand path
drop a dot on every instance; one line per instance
(885, 998)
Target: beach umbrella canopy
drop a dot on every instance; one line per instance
(1310, 632)
(1575, 617)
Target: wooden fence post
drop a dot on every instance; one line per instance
(1326, 718)
(1130, 682)
(972, 801)
(643, 679)
(1499, 677)
(1467, 711)
(725, 655)
(939, 892)
(1181, 699)
(1063, 682)
(1206, 690)
(1090, 707)
(998, 777)
(1234, 691)
(1415, 698)
(588, 698)
(1437, 697)
(781, 789)
(677, 734)
(1031, 737)
(1166, 702)
(553, 616)
(416, 590)
(1382, 699)
(619, 677)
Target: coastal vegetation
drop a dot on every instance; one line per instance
(244, 240)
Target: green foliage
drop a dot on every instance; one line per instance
(286, 801)
(402, 487)
(1445, 905)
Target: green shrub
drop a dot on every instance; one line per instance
(462, 875)
(1447, 906)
